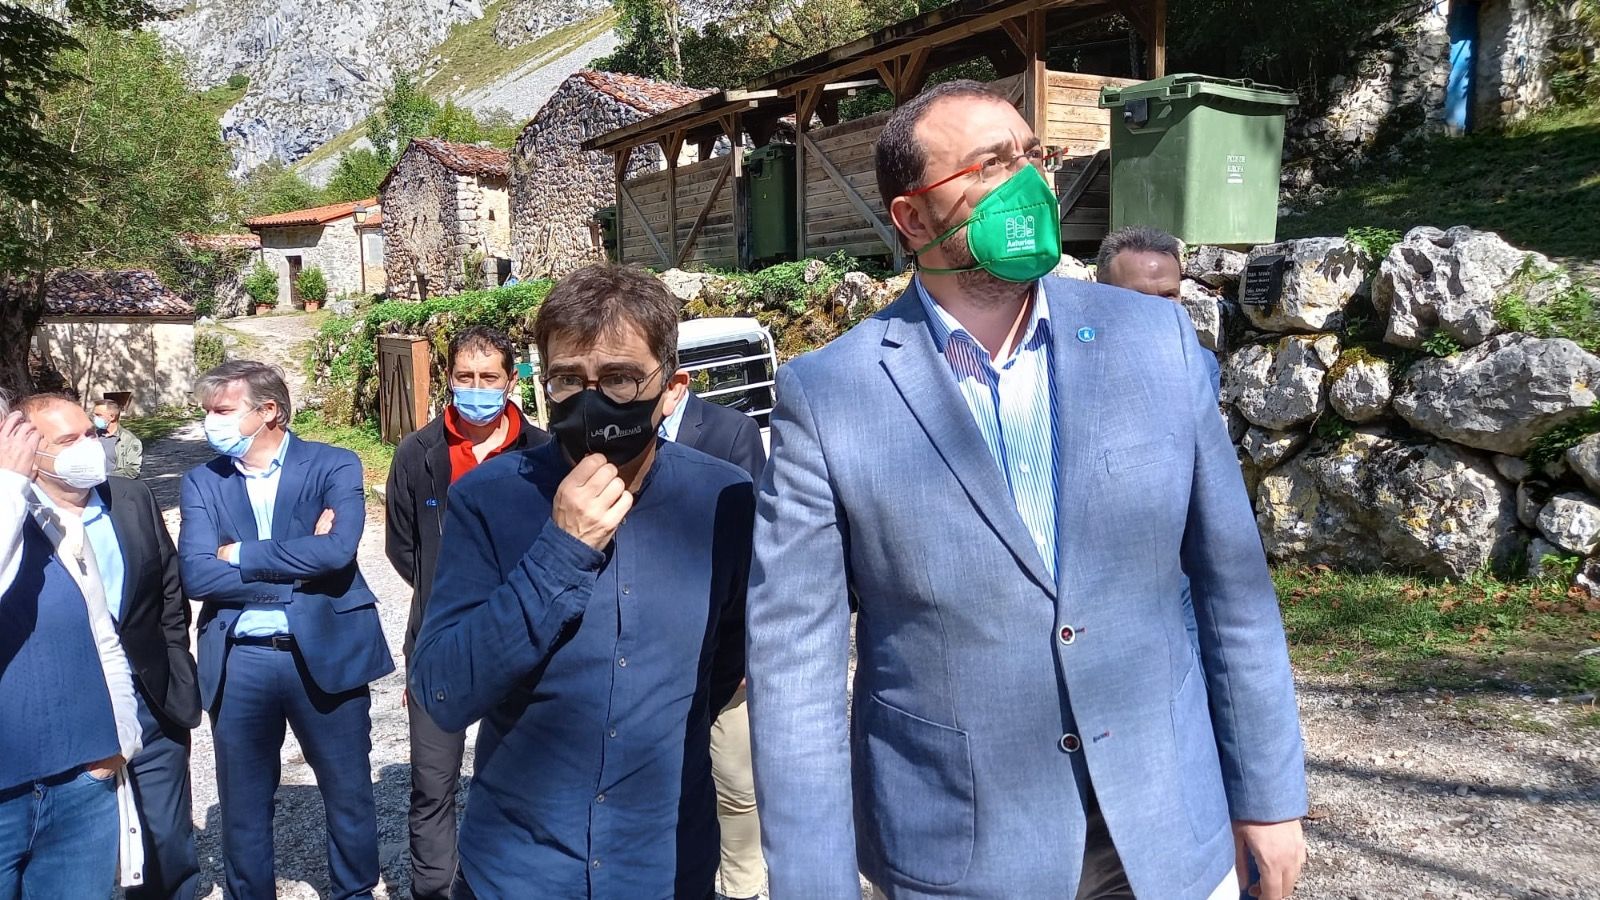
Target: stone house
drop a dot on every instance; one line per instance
(446, 219)
(211, 269)
(556, 187)
(119, 334)
(332, 238)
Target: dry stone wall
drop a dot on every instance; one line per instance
(421, 229)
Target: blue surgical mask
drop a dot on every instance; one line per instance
(480, 406)
(222, 432)
(100, 423)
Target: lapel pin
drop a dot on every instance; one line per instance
(1086, 334)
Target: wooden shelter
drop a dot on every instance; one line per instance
(695, 214)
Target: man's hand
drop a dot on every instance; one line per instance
(18, 444)
(591, 502)
(324, 523)
(105, 768)
(229, 553)
(1279, 850)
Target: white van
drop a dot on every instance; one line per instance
(733, 362)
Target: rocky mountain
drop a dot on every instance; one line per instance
(318, 68)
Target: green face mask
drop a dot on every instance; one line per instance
(1014, 233)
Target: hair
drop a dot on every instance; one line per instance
(483, 339)
(38, 403)
(262, 383)
(5, 402)
(599, 299)
(110, 405)
(900, 158)
(1135, 239)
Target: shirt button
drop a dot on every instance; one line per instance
(1067, 634)
(1023, 467)
(612, 732)
(627, 589)
(594, 864)
(439, 695)
(1070, 743)
(600, 799)
(623, 662)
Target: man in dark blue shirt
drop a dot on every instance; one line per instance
(589, 608)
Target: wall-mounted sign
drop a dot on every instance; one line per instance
(1263, 281)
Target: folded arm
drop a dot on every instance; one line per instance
(205, 575)
(484, 635)
(314, 555)
(1242, 647)
(798, 627)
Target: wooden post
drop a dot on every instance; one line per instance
(805, 104)
(1158, 39)
(1035, 86)
(741, 193)
(671, 145)
(620, 162)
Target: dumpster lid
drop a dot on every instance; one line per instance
(1191, 85)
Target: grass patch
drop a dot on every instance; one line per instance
(1537, 184)
(473, 59)
(1589, 718)
(364, 440)
(161, 423)
(221, 98)
(1416, 631)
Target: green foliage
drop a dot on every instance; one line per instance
(356, 177)
(1332, 428)
(1441, 344)
(363, 439)
(1376, 241)
(312, 284)
(273, 188)
(1256, 39)
(238, 81)
(262, 284)
(1559, 568)
(1553, 444)
(1571, 313)
(800, 316)
(1574, 68)
(405, 114)
(209, 351)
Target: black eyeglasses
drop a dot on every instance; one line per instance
(619, 387)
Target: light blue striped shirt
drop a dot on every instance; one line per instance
(263, 619)
(1015, 408)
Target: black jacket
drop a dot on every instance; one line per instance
(154, 626)
(419, 484)
(725, 433)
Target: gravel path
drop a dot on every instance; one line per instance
(1423, 795)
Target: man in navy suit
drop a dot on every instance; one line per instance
(289, 630)
(730, 435)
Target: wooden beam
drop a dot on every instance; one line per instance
(914, 72)
(705, 211)
(619, 163)
(805, 107)
(1035, 92)
(885, 233)
(889, 71)
(1158, 39)
(1086, 177)
(622, 190)
(673, 144)
(1018, 36)
(733, 127)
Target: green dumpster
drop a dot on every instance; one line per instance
(1198, 157)
(772, 204)
(607, 217)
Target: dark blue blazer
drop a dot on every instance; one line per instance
(332, 612)
(727, 434)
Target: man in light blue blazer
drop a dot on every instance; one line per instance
(1014, 474)
(288, 629)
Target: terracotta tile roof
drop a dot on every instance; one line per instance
(644, 94)
(466, 159)
(220, 241)
(128, 292)
(316, 215)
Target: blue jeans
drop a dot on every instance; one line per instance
(58, 838)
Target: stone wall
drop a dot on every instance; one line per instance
(331, 247)
(153, 357)
(556, 187)
(421, 229)
(1514, 54)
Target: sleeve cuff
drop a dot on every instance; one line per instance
(557, 548)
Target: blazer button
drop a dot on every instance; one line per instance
(1070, 743)
(439, 695)
(1067, 634)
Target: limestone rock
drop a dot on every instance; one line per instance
(1531, 498)
(1584, 459)
(1360, 390)
(1215, 267)
(857, 294)
(1265, 449)
(1501, 394)
(815, 269)
(1538, 549)
(1205, 308)
(525, 21)
(1571, 521)
(1374, 502)
(1279, 387)
(1236, 422)
(1512, 468)
(1072, 267)
(1587, 578)
(686, 286)
(1450, 281)
(1320, 278)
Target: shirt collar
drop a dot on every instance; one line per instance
(671, 424)
(273, 466)
(95, 507)
(945, 326)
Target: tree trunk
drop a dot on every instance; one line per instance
(21, 307)
(669, 15)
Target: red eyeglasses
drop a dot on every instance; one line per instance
(1001, 166)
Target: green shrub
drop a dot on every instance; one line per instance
(1376, 241)
(209, 351)
(1441, 344)
(1571, 313)
(1553, 444)
(312, 285)
(262, 284)
(238, 82)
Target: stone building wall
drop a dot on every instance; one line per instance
(556, 188)
(1513, 57)
(152, 357)
(421, 229)
(331, 247)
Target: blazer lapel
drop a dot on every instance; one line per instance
(236, 500)
(925, 382)
(291, 480)
(1077, 364)
(690, 428)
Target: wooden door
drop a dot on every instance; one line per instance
(402, 385)
(294, 280)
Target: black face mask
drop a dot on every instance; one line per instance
(590, 422)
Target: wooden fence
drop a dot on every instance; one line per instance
(654, 234)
